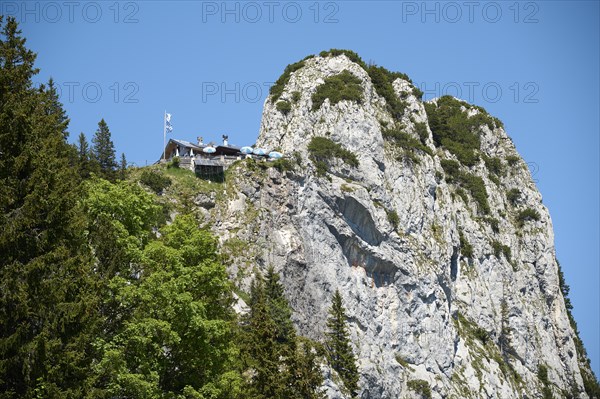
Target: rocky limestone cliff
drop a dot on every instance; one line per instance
(437, 287)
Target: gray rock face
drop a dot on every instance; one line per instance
(419, 306)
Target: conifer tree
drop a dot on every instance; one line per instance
(262, 350)
(85, 163)
(46, 296)
(56, 108)
(305, 377)
(280, 310)
(284, 366)
(123, 167)
(103, 151)
(338, 346)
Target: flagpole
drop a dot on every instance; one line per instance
(165, 136)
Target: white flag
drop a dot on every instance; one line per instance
(168, 126)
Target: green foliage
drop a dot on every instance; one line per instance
(494, 179)
(348, 53)
(494, 223)
(526, 215)
(346, 188)
(279, 309)
(466, 249)
(262, 353)
(474, 184)
(284, 107)
(401, 361)
(119, 221)
(85, 162)
(283, 165)
(339, 352)
(344, 86)
(156, 181)
(305, 377)
(512, 160)
(175, 161)
(322, 150)
(487, 348)
(173, 334)
(406, 142)
(454, 130)
(356, 59)
(277, 89)
(103, 151)
(513, 195)
(452, 169)
(47, 301)
(542, 374)
(543, 377)
(393, 218)
(590, 382)
(494, 165)
(500, 249)
(417, 92)
(298, 158)
(281, 364)
(421, 128)
(382, 81)
(296, 95)
(421, 387)
(466, 156)
(477, 189)
(130, 209)
(482, 335)
(123, 167)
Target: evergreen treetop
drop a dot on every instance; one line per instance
(339, 350)
(46, 284)
(103, 151)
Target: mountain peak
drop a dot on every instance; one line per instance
(427, 220)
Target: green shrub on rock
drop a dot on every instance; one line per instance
(421, 387)
(322, 150)
(277, 89)
(284, 107)
(455, 130)
(474, 184)
(155, 180)
(526, 215)
(344, 86)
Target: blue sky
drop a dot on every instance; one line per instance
(533, 64)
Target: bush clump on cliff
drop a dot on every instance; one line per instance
(526, 215)
(454, 130)
(277, 89)
(465, 247)
(382, 80)
(513, 195)
(406, 142)
(421, 387)
(501, 249)
(474, 184)
(322, 150)
(284, 107)
(393, 218)
(344, 86)
(156, 181)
